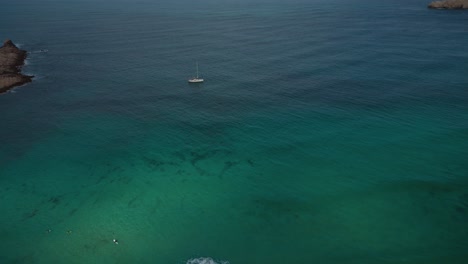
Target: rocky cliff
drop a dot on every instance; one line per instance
(449, 4)
(11, 60)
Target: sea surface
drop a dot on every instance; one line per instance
(326, 131)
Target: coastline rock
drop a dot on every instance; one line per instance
(449, 4)
(11, 60)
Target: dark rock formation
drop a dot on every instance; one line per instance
(11, 60)
(449, 4)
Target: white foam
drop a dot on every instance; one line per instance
(205, 261)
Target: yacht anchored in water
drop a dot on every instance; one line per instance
(196, 79)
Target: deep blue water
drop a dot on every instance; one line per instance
(325, 132)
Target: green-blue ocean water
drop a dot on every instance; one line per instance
(325, 132)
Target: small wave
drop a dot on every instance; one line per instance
(36, 76)
(205, 261)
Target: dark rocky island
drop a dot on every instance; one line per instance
(449, 4)
(11, 60)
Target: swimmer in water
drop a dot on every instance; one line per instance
(115, 241)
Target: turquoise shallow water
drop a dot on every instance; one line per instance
(326, 132)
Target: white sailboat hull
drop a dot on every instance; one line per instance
(195, 80)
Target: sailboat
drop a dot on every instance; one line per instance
(196, 79)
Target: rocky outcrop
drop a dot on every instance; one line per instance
(11, 60)
(449, 4)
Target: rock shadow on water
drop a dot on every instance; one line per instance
(215, 162)
(157, 164)
(279, 209)
(29, 215)
(97, 244)
(135, 201)
(72, 212)
(201, 155)
(461, 205)
(54, 201)
(227, 166)
(25, 259)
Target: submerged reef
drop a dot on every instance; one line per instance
(11, 60)
(449, 4)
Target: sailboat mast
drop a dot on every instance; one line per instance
(195, 79)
